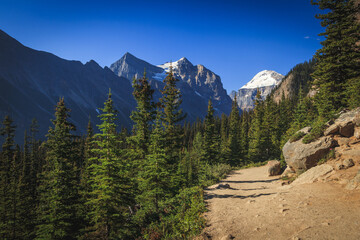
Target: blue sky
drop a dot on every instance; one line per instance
(235, 39)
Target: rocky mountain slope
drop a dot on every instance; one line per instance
(197, 83)
(31, 83)
(265, 81)
(298, 77)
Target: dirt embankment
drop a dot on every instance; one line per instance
(258, 207)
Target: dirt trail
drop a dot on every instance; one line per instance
(258, 207)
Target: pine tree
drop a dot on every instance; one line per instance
(224, 141)
(172, 114)
(256, 144)
(234, 135)
(110, 187)
(154, 178)
(244, 137)
(28, 203)
(6, 184)
(59, 195)
(337, 71)
(144, 114)
(211, 141)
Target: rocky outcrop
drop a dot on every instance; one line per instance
(197, 83)
(313, 174)
(245, 96)
(301, 157)
(345, 124)
(274, 167)
(354, 183)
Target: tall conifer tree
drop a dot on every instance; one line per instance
(337, 70)
(59, 193)
(144, 114)
(211, 141)
(110, 187)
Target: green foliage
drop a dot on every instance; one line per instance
(211, 138)
(234, 136)
(172, 114)
(58, 211)
(110, 186)
(297, 136)
(143, 116)
(337, 69)
(317, 131)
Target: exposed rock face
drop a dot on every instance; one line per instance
(354, 183)
(348, 163)
(130, 66)
(197, 83)
(313, 174)
(265, 81)
(31, 83)
(301, 157)
(345, 124)
(288, 172)
(274, 167)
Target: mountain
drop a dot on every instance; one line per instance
(197, 83)
(298, 76)
(31, 83)
(265, 81)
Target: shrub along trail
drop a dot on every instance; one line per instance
(258, 207)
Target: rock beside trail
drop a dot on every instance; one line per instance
(288, 172)
(274, 167)
(313, 174)
(348, 163)
(345, 124)
(354, 183)
(223, 186)
(301, 157)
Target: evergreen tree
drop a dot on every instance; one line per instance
(144, 114)
(337, 71)
(154, 178)
(172, 114)
(224, 143)
(6, 184)
(59, 195)
(211, 141)
(234, 135)
(256, 144)
(110, 187)
(244, 138)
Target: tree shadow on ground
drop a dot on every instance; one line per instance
(211, 196)
(255, 181)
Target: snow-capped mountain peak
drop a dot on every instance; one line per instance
(263, 79)
(175, 65)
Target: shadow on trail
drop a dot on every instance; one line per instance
(211, 196)
(255, 181)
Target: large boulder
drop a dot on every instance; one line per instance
(313, 174)
(345, 124)
(301, 157)
(274, 167)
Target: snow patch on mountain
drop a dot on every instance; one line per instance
(166, 66)
(263, 79)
